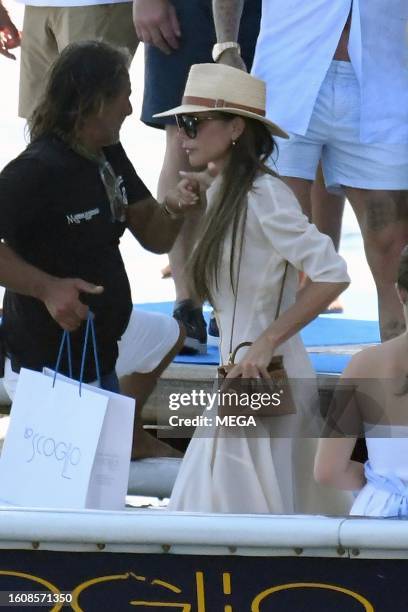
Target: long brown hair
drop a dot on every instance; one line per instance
(84, 76)
(247, 159)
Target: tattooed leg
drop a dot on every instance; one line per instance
(383, 220)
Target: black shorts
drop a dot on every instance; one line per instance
(166, 75)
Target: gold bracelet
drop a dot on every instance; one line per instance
(174, 216)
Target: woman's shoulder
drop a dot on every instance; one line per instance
(370, 361)
(270, 189)
(269, 180)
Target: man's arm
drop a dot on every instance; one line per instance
(155, 225)
(9, 35)
(227, 19)
(59, 295)
(156, 23)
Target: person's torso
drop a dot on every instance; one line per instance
(72, 236)
(260, 277)
(298, 41)
(387, 447)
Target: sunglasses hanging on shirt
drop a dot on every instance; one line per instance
(113, 184)
(114, 190)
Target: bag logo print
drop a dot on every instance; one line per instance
(47, 447)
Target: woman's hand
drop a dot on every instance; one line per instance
(256, 360)
(187, 195)
(183, 198)
(201, 181)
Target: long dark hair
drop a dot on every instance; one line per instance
(247, 159)
(84, 76)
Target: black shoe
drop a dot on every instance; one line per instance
(195, 342)
(213, 326)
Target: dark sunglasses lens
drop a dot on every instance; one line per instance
(188, 124)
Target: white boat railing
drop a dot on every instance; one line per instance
(158, 531)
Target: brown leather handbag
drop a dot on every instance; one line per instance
(256, 397)
(246, 398)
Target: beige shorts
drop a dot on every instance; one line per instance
(148, 338)
(47, 30)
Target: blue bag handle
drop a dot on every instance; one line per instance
(90, 325)
(67, 339)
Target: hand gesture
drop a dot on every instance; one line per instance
(61, 297)
(201, 181)
(9, 35)
(183, 198)
(187, 194)
(156, 23)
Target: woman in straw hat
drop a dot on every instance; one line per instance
(253, 226)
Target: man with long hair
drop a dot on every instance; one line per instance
(64, 204)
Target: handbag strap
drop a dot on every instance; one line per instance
(237, 284)
(66, 338)
(278, 307)
(232, 353)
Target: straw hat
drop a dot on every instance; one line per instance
(216, 87)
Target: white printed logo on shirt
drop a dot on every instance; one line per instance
(83, 216)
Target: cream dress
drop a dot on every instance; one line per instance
(224, 468)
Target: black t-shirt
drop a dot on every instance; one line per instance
(55, 214)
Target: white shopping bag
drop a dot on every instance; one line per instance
(67, 446)
(65, 450)
(110, 472)
(51, 442)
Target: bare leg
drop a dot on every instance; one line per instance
(175, 159)
(327, 215)
(383, 220)
(140, 386)
(327, 209)
(302, 188)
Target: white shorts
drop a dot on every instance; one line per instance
(333, 136)
(148, 338)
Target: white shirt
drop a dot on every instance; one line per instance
(276, 231)
(297, 41)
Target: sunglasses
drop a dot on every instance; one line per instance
(113, 186)
(190, 123)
